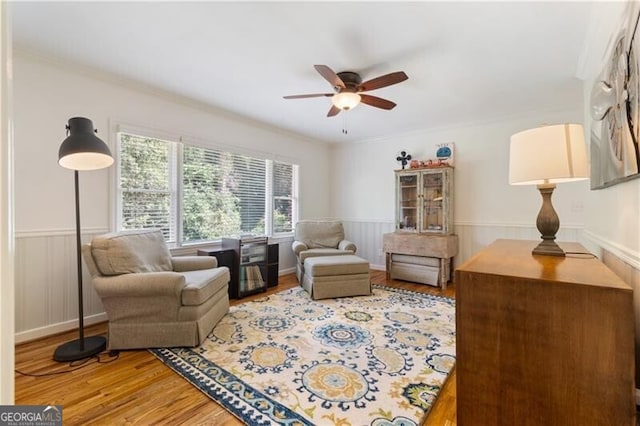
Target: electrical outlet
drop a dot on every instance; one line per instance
(577, 207)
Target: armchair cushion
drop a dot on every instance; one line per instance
(319, 234)
(202, 284)
(193, 263)
(322, 252)
(131, 252)
(148, 284)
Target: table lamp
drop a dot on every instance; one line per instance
(545, 156)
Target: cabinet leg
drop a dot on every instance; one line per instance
(388, 265)
(443, 274)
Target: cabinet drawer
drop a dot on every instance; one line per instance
(415, 273)
(415, 260)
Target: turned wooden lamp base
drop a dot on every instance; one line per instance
(548, 224)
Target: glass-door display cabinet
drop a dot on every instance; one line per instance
(423, 245)
(424, 200)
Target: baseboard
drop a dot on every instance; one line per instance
(48, 330)
(286, 271)
(377, 267)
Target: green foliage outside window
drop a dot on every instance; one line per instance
(221, 193)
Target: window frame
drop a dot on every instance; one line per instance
(176, 175)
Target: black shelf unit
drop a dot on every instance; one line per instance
(249, 268)
(273, 256)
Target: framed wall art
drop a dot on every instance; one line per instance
(615, 108)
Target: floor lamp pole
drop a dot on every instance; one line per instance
(79, 262)
(81, 348)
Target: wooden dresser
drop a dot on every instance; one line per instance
(543, 340)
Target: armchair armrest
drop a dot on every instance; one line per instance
(193, 263)
(298, 246)
(140, 284)
(347, 245)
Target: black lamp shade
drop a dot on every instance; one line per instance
(82, 149)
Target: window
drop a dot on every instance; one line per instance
(146, 175)
(199, 194)
(283, 197)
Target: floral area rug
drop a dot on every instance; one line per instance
(376, 360)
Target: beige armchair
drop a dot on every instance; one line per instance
(315, 238)
(152, 299)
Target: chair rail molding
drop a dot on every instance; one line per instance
(472, 236)
(37, 233)
(623, 253)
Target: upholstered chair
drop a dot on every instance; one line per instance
(151, 298)
(314, 238)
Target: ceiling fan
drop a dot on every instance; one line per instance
(348, 88)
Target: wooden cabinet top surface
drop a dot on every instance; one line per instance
(513, 258)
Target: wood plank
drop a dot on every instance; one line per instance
(138, 388)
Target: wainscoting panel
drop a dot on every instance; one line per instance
(472, 237)
(46, 286)
(367, 237)
(45, 272)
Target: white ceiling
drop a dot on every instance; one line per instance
(466, 62)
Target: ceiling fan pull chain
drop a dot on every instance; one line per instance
(345, 131)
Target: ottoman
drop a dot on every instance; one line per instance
(336, 276)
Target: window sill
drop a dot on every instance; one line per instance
(192, 249)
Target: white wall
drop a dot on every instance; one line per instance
(7, 319)
(47, 94)
(486, 207)
(613, 214)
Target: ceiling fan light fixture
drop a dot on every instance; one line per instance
(345, 100)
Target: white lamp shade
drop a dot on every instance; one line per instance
(86, 161)
(345, 100)
(549, 154)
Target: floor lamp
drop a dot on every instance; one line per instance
(81, 150)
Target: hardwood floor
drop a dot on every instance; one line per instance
(136, 388)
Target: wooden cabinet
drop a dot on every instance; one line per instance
(423, 200)
(543, 340)
(421, 258)
(422, 247)
(249, 271)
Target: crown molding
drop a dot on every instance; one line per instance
(136, 85)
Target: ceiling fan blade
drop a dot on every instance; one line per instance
(313, 95)
(330, 76)
(383, 81)
(377, 102)
(334, 110)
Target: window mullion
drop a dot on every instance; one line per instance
(179, 185)
(268, 199)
